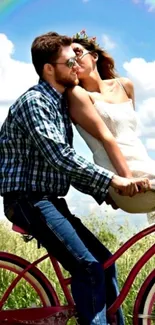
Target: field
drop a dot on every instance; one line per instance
(21, 297)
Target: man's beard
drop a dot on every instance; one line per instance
(66, 82)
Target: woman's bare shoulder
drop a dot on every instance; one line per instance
(126, 83)
(129, 87)
(76, 91)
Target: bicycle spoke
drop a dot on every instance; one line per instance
(22, 296)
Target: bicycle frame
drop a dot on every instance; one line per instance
(137, 267)
(65, 282)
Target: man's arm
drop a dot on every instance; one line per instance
(41, 126)
(39, 121)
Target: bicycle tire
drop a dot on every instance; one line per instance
(33, 276)
(147, 305)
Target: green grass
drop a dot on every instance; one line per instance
(23, 295)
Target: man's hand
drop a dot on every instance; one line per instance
(130, 186)
(109, 201)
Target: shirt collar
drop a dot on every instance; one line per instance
(49, 90)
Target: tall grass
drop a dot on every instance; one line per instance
(13, 243)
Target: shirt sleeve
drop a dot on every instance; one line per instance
(40, 123)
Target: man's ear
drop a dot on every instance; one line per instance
(48, 69)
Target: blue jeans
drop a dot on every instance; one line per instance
(77, 249)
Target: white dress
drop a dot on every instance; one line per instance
(122, 122)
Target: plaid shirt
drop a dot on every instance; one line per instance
(36, 152)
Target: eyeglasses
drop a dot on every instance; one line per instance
(81, 57)
(69, 63)
(79, 53)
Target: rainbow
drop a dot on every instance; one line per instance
(7, 7)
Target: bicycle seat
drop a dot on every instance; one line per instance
(18, 229)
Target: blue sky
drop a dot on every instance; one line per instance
(130, 24)
(125, 28)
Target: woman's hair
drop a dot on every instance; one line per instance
(105, 63)
(47, 48)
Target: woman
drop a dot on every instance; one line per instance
(102, 108)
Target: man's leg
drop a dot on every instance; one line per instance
(100, 252)
(61, 239)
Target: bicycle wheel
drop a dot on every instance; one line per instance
(33, 290)
(146, 314)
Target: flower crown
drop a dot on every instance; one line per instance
(83, 35)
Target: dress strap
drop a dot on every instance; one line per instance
(122, 86)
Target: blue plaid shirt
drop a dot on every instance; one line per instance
(36, 152)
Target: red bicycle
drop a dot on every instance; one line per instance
(50, 311)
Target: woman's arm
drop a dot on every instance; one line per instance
(83, 112)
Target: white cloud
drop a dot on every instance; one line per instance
(142, 73)
(136, 1)
(84, 205)
(3, 110)
(15, 76)
(108, 43)
(150, 4)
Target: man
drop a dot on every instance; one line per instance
(38, 164)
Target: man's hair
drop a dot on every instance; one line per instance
(47, 48)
